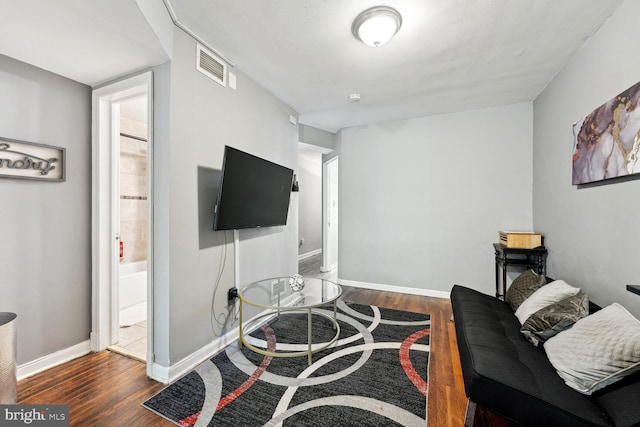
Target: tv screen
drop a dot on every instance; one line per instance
(254, 192)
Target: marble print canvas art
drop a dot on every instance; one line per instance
(607, 140)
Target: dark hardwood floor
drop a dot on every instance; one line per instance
(106, 389)
(101, 389)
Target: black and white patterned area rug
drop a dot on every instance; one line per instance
(374, 375)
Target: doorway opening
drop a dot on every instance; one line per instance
(309, 177)
(122, 221)
(131, 168)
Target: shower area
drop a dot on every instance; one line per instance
(132, 289)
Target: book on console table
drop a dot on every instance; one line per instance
(520, 239)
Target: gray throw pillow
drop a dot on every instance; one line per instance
(549, 294)
(554, 318)
(522, 287)
(598, 350)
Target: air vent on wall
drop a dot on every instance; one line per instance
(211, 66)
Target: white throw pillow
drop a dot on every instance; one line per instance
(546, 295)
(598, 350)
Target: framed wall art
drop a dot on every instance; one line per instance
(607, 140)
(28, 160)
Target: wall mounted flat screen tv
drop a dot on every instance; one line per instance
(254, 192)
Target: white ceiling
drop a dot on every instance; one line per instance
(89, 41)
(449, 55)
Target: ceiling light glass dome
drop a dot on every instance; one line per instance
(375, 26)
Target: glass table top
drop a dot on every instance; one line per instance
(277, 292)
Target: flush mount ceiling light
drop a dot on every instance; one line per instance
(375, 26)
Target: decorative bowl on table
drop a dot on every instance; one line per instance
(296, 282)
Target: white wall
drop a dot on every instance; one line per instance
(422, 200)
(591, 233)
(161, 214)
(205, 116)
(45, 254)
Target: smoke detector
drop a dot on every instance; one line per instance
(355, 97)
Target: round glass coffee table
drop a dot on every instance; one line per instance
(277, 296)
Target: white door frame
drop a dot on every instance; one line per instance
(104, 208)
(326, 263)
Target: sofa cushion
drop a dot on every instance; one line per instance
(620, 401)
(505, 373)
(599, 350)
(543, 297)
(522, 287)
(552, 319)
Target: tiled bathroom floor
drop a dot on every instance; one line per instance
(133, 333)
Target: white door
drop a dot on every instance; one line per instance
(330, 188)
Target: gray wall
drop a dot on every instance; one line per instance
(205, 116)
(422, 200)
(46, 258)
(317, 137)
(310, 201)
(591, 233)
(45, 255)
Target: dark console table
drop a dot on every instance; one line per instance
(533, 258)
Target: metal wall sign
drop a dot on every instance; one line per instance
(28, 160)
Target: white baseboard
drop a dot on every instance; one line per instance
(309, 254)
(49, 361)
(169, 374)
(392, 288)
(324, 269)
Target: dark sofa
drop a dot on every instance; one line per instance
(505, 373)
